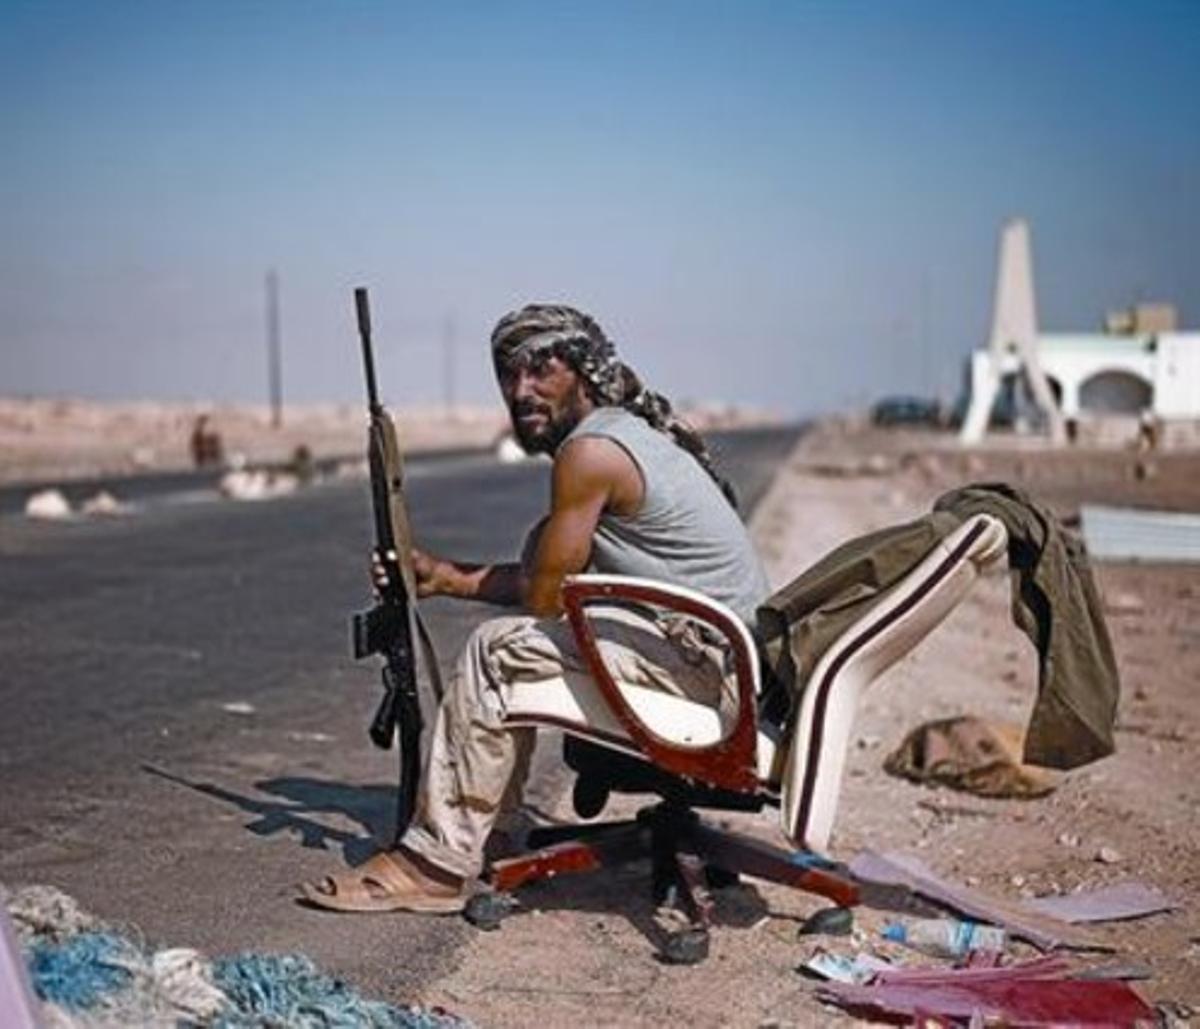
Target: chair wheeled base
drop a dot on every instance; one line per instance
(688, 857)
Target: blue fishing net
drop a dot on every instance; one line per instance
(273, 990)
(81, 970)
(94, 972)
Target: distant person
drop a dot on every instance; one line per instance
(1148, 431)
(207, 448)
(302, 464)
(633, 491)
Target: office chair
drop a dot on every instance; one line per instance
(766, 754)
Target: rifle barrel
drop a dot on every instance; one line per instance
(363, 309)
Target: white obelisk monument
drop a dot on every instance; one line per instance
(1014, 331)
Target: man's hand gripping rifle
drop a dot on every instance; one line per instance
(393, 625)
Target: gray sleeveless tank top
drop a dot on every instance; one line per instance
(685, 532)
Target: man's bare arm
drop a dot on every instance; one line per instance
(587, 475)
(491, 584)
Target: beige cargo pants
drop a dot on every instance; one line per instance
(476, 767)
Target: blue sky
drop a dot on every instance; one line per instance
(789, 204)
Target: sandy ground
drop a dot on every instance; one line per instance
(44, 439)
(581, 953)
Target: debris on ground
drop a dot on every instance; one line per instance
(48, 504)
(946, 937)
(103, 503)
(1038, 993)
(1116, 903)
(45, 912)
(1116, 971)
(1044, 932)
(238, 707)
(86, 974)
(1132, 534)
(835, 921)
(971, 755)
(310, 737)
(257, 484)
(861, 968)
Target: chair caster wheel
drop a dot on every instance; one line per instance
(589, 796)
(487, 910)
(686, 947)
(719, 878)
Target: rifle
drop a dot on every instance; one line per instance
(391, 626)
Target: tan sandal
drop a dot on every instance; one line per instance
(385, 882)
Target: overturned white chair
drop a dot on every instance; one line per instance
(635, 739)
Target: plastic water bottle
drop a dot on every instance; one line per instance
(946, 937)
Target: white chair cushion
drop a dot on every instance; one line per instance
(574, 703)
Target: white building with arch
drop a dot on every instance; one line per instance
(1097, 374)
(1084, 375)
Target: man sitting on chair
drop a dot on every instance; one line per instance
(633, 492)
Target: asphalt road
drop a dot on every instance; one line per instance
(182, 736)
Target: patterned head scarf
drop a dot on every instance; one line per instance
(577, 339)
(568, 334)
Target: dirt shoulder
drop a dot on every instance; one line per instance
(46, 439)
(581, 955)
(43, 439)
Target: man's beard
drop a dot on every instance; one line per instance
(549, 437)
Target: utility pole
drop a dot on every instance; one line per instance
(274, 358)
(928, 386)
(449, 368)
